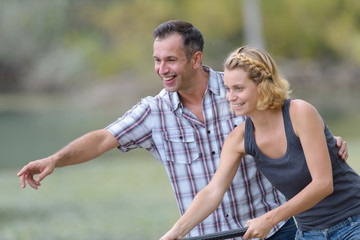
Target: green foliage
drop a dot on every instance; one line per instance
(313, 29)
(120, 33)
(112, 36)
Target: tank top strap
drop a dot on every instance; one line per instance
(249, 139)
(289, 130)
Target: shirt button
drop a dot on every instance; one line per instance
(226, 215)
(213, 152)
(208, 131)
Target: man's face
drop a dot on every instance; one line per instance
(171, 64)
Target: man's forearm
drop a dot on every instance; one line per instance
(85, 148)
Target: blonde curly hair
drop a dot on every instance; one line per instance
(261, 69)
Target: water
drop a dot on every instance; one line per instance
(29, 135)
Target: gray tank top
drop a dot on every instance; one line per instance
(290, 175)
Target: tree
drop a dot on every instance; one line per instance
(253, 24)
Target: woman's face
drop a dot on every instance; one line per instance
(241, 91)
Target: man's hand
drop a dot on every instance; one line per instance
(85, 148)
(343, 151)
(41, 168)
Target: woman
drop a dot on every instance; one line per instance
(293, 148)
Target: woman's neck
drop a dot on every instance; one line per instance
(266, 119)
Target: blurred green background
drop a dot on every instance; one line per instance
(69, 67)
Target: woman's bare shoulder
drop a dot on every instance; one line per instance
(236, 138)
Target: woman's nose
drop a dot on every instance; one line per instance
(230, 95)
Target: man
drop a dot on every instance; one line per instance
(184, 127)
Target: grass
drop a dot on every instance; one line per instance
(114, 197)
(126, 198)
(354, 154)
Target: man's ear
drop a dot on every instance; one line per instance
(196, 59)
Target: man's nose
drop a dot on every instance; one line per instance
(163, 69)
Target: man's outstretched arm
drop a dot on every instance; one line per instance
(83, 149)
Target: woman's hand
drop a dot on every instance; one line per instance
(258, 227)
(171, 235)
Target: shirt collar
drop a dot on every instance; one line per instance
(214, 81)
(213, 86)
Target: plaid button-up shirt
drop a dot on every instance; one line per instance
(190, 151)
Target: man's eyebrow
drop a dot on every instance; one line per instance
(167, 57)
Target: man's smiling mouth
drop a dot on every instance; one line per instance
(166, 79)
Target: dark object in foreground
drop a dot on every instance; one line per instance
(220, 235)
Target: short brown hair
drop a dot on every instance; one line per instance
(193, 40)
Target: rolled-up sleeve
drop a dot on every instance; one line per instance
(134, 128)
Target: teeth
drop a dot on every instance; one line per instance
(167, 78)
(237, 105)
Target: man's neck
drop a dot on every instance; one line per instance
(196, 93)
(193, 99)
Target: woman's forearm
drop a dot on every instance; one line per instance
(304, 200)
(205, 202)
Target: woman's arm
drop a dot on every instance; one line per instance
(309, 127)
(208, 199)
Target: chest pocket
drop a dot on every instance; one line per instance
(228, 125)
(181, 146)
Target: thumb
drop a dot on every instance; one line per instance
(42, 175)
